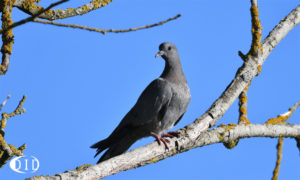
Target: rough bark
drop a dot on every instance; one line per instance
(153, 152)
(30, 7)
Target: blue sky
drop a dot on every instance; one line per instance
(80, 84)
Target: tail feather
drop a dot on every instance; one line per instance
(117, 148)
(118, 142)
(101, 146)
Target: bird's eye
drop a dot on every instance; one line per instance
(169, 48)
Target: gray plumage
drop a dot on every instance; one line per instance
(159, 108)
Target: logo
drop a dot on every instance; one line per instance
(24, 164)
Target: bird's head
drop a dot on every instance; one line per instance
(168, 51)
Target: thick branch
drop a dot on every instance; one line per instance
(31, 18)
(244, 75)
(29, 6)
(104, 31)
(153, 152)
(7, 36)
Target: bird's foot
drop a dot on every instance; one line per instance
(171, 134)
(161, 139)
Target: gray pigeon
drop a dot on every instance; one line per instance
(159, 108)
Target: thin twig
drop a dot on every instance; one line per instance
(280, 119)
(254, 2)
(7, 151)
(31, 18)
(243, 56)
(19, 110)
(104, 31)
(243, 101)
(5, 101)
(256, 30)
(279, 157)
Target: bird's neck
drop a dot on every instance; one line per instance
(173, 72)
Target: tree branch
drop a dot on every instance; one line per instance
(7, 32)
(279, 157)
(29, 7)
(256, 30)
(244, 75)
(243, 101)
(153, 152)
(7, 151)
(255, 51)
(5, 101)
(104, 31)
(31, 18)
(7, 36)
(280, 119)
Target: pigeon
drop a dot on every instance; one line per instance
(160, 107)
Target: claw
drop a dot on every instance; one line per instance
(161, 139)
(156, 137)
(165, 141)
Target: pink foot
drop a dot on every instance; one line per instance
(161, 139)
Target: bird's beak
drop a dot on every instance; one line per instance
(160, 53)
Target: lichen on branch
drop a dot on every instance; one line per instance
(243, 101)
(7, 151)
(7, 36)
(280, 119)
(31, 7)
(256, 32)
(279, 157)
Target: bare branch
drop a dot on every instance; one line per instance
(280, 119)
(256, 48)
(19, 110)
(254, 2)
(104, 31)
(243, 119)
(7, 36)
(7, 151)
(244, 75)
(243, 56)
(243, 100)
(7, 33)
(31, 8)
(31, 18)
(153, 152)
(5, 101)
(279, 157)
